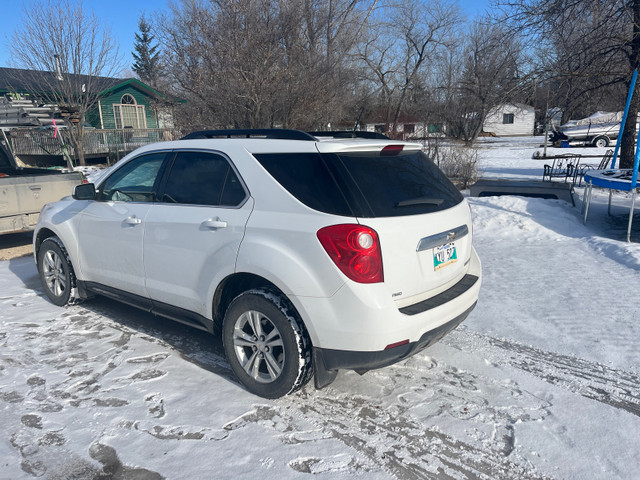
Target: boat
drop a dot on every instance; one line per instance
(600, 130)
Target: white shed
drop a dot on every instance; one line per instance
(510, 119)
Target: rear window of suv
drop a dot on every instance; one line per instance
(363, 184)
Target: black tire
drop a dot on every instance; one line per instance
(56, 271)
(601, 142)
(266, 344)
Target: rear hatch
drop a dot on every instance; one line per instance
(421, 219)
(423, 255)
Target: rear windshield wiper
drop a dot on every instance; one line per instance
(420, 201)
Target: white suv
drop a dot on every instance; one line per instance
(308, 254)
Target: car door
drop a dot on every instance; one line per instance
(111, 228)
(194, 232)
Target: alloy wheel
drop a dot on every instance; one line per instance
(54, 273)
(258, 346)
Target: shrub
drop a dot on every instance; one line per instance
(458, 162)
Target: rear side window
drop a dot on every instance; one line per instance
(364, 184)
(405, 184)
(201, 178)
(307, 177)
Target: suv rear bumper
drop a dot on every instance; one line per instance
(364, 318)
(330, 360)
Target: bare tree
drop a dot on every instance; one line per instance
(402, 45)
(250, 63)
(492, 74)
(65, 52)
(591, 47)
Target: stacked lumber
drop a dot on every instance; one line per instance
(22, 112)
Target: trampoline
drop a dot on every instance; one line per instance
(624, 180)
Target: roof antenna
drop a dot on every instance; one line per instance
(355, 127)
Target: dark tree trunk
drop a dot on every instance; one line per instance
(627, 147)
(629, 133)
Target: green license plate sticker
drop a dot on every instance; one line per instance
(444, 255)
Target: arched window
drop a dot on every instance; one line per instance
(128, 114)
(128, 100)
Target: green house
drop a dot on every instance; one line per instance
(125, 114)
(131, 104)
(122, 103)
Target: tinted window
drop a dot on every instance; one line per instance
(134, 181)
(363, 184)
(307, 177)
(406, 184)
(200, 178)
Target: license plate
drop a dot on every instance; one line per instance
(444, 255)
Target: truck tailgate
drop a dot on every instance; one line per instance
(22, 197)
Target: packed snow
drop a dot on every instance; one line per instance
(541, 381)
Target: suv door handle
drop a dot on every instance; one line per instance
(133, 221)
(214, 223)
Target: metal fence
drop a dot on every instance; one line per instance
(111, 144)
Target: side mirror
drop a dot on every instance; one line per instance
(86, 191)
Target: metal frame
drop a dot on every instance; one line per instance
(271, 133)
(563, 166)
(351, 134)
(283, 134)
(610, 186)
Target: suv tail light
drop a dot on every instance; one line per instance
(355, 249)
(391, 150)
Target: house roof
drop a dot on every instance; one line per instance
(380, 116)
(134, 82)
(21, 81)
(514, 106)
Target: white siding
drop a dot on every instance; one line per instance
(524, 119)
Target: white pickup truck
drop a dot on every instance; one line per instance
(24, 191)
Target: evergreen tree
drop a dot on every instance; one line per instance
(146, 56)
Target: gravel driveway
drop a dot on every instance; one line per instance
(14, 245)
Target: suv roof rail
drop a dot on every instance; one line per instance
(275, 133)
(351, 134)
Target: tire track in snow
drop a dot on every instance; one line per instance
(426, 419)
(595, 381)
(404, 446)
(416, 420)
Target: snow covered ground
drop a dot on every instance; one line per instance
(541, 381)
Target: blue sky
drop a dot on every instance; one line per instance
(122, 17)
(474, 7)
